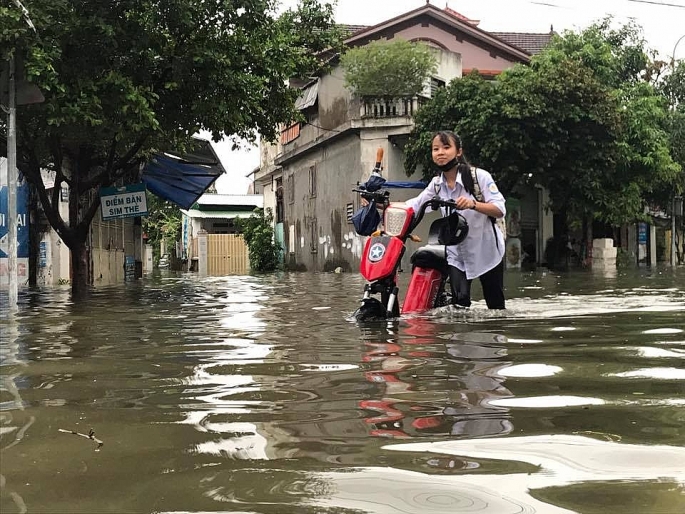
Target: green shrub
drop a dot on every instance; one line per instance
(624, 259)
(264, 252)
(394, 68)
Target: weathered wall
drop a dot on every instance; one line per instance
(317, 234)
(267, 187)
(336, 105)
(449, 65)
(473, 55)
(110, 242)
(57, 264)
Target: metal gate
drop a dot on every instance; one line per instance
(227, 255)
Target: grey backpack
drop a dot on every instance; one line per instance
(499, 222)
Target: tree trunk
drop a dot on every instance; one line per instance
(587, 236)
(557, 253)
(79, 270)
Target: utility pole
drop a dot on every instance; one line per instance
(674, 253)
(12, 174)
(12, 189)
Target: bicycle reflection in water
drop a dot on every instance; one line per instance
(431, 386)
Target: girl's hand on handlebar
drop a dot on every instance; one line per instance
(465, 203)
(365, 202)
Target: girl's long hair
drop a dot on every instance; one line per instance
(463, 166)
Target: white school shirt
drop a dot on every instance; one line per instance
(483, 247)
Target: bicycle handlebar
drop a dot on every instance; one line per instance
(434, 203)
(380, 196)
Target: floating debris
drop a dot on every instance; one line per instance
(90, 435)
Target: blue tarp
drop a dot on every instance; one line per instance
(405, 185)
(377, 182)
(182, 179)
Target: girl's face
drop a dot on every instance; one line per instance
(444, 152)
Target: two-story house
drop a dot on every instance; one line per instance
(307, 177)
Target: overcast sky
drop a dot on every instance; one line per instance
(663, 22)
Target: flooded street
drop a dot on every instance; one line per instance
(257, 394)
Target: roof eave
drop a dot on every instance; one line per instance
(438, 14)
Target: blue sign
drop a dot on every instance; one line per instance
(22, 220)
(129, 268)
(642, 233)
(43, 254)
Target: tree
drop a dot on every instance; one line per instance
(581, 120)
(163, 222)
(388, 68)
(264, 252)
(673, 88)
(125, 79)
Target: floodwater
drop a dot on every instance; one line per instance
(257, 394)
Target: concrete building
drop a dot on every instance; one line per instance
(307, 176)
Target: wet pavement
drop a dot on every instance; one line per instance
(258, 394)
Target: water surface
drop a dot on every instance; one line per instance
(256, 394)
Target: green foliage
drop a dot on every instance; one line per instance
(580, 120)
(125, 79)
(163, 222)
(264, 252)
(624, 259)
(388, 68)
(673, 88)
(463, 106)
(673, 84)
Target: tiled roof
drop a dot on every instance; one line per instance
(461, 17)
(348, 30)
(531, 43)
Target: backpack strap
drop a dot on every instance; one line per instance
(478, 194)
(476, 186)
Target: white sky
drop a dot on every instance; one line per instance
(663, 25)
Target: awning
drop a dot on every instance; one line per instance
(182, 179)
(227, 215)
(308, 96)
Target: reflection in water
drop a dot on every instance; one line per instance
(429, 390)
(254, 394)
(14, 423)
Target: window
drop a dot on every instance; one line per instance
(312, 180)
(436, 84)
(290, 133)
(291, 189)
(350, 212)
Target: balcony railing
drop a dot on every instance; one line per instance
(390, 107)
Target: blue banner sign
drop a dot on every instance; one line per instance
(22, 220)
(642, 233)
(123, 202)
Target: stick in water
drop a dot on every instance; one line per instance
(90, 435)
